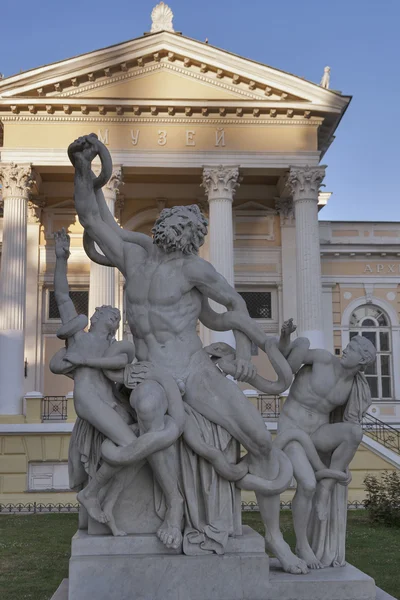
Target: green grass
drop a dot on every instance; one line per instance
(34, 551)
(374, 549)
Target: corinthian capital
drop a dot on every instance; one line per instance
(221, 182)
(115, 182)
(17, 180)
(284, 207)
(304, 182)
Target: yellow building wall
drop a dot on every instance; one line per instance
(18, 450)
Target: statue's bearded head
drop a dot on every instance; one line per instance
(180, 228)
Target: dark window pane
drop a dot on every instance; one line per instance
(373, 386)
(370, 335)
(80, 300)
(384, 340)
(353, 334)
(258, 304)
(371, 369)
(386, 387)
(385, 364)
(368, 323)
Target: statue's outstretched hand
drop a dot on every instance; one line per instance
(288, 328)
(62, 242)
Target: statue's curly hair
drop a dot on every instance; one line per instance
(170, 240)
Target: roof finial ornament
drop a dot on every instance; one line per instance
(161, 18)
(326, 78)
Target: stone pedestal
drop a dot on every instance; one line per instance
(139, 567)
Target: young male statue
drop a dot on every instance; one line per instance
(94, 360)
(165, 284)
(327, 400)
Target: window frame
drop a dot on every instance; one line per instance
(49, 465)
(377, 330)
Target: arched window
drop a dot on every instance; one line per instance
(372, 322)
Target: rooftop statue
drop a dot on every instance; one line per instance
(326, 78)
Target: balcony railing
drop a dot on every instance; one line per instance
(54, 408)
(269, 406)
(381, 432)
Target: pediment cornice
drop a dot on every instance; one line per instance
(244, 78)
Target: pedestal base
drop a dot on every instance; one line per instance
(139, 567)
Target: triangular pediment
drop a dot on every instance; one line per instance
(160, 82)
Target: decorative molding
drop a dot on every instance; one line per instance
(180, 159)
(17, 180)
(220, 182)
(304, 182)
(161, 119)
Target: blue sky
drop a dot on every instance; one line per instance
(359, 39)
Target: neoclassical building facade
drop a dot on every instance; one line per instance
(186, 123)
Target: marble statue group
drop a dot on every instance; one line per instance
(167, 406)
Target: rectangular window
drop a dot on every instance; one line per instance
(48, 476)
(259, 304)
(80, 299)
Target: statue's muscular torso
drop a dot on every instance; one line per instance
(162, 307)
(316, 391)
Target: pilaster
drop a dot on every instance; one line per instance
(285, 209)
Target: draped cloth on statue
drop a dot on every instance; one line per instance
(210, 500)
(84, 454)
(328, 538)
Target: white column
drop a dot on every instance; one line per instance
(102, 289)
(17, 182)
(285, 209)
(304, 183)
(220, 184)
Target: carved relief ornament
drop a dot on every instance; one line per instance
(220, 182)
(304, 182)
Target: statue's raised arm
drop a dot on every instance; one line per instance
(94, 215)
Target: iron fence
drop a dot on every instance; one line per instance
(54, 408)
(36, 507)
